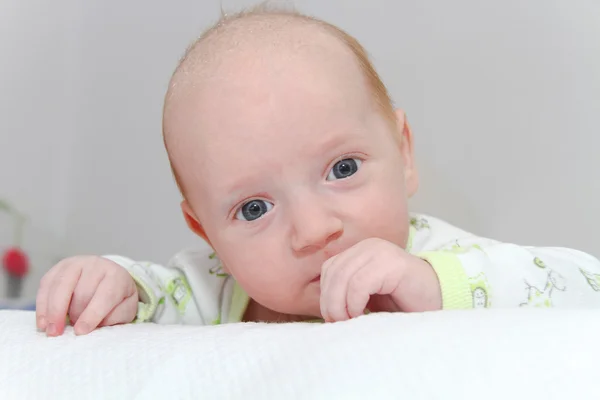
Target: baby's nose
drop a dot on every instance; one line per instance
(314, 231)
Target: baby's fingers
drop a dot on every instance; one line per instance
(59, 297)
(107, 297)
(366, 282)
(123, 313)
(334, 286)
(41, 300)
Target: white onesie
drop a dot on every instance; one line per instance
(474, 272)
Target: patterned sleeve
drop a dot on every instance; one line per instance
(480, 273)
(165, 296)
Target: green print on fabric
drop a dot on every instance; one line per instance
(456, 248)
(543, 297)
(419, 223)
(539, 263)
(592, 279)
(180, 292)
(480, 290)
(218, 270)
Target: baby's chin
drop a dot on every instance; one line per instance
(302, 307)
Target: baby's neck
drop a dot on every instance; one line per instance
(255, 312)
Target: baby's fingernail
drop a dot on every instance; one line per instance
(42, 323)
(81, 328)
(51, 330)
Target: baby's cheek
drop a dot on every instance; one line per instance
(279, 295)
(272, 281)
(385, 206)
(258, 267)
(389, 221)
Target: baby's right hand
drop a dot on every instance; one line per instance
(93, 291)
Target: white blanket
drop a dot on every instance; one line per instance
(500, 354)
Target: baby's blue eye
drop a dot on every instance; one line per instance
(253, 209)
(344, 168)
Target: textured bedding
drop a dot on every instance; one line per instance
(494, 354)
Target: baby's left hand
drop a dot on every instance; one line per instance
(378, 275)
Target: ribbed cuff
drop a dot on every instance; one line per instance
(454, 284)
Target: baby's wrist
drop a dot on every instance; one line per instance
(422, 282)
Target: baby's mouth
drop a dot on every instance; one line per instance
(316, 279)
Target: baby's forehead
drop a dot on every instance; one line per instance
(252, 95)
(245, 120)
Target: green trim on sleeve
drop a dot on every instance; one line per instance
(456, 292)
(239, 304)
(411, 236)
(148, 301)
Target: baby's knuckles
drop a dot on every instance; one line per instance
(406, 271)
(387, 252)
(388, 262)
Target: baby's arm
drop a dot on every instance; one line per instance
(479, 273)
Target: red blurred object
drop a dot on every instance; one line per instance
(15, 262)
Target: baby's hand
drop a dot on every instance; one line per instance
(378, 275)
(92, 291)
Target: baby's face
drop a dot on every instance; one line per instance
(288, 165)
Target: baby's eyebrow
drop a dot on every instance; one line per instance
(236, 190)
(335, 141)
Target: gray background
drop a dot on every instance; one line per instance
(503, 98)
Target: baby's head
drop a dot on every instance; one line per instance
(287, 150)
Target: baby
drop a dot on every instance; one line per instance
(296, 170)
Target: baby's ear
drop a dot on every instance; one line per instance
(411, 175)
(192, 221)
